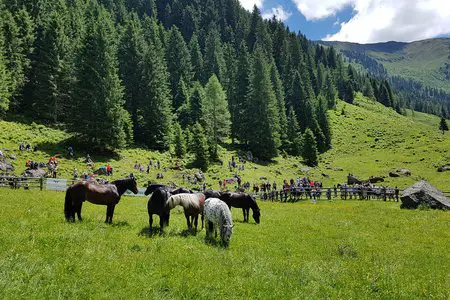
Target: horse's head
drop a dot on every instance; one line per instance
(133, 185)
(256, 215)
(225, 234)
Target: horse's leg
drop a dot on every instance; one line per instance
(108, 213)
(112, 213)
(203, 219)
(188, 221)
(195, 219)
(79, 211)
(150, 222)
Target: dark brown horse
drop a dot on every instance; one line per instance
(244, 201)
(157, 203)
(108, 194)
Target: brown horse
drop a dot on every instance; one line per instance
(108, 195)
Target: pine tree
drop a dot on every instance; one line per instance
(294, 137)
(279, 95)
(261, 115)
(330, 92)
(443, 125)
(180, 141)
(50, 76)
(196, 58)
(368, 89)
(5, 82)
(130, 55)
(155, 116)
(100, 118)
(238, 102)
(384, 95)
(214, 60)
(199, 147)
(196, 102)
(17, 31)
(178, 60)
(324, 125)
(309, 148)
(216, 116)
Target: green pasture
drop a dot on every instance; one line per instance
(334, 249)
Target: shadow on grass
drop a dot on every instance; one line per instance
(214, 242)
(157, 231)
(120, 224)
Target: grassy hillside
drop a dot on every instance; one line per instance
(368, 140)
(332, 250)
(424, 61)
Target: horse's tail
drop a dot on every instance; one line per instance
(68, 206)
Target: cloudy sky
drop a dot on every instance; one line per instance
(361, 21)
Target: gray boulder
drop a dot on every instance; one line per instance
(423, 192)
(400, 172)
(35, 173)
(444, 168)
(6, 166)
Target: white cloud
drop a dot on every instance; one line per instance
(248, 4)
(383, 20)
(278, 12)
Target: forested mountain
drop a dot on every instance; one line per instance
(419, 72)
(170, 73)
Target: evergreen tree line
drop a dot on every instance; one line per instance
(172, 74)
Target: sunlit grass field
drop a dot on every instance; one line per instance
(335, 249)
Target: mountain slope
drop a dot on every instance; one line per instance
(368, 140)
(425, 61)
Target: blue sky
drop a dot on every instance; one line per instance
(314, 30)
(361, 21)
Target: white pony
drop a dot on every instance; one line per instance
(192, 204)
(218, 214)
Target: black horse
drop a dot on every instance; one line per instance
(108, 194)
(244, 201)
(157, 202)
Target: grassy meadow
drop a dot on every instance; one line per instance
(335, 249)
(368, 140)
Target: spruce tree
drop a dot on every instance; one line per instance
(196, 102)
(50, 77)
(294, 137)
(180, 141)
(261, 115)
(279, 95)
(214, 60)
(155, 116)
(330, 91)
(196, 58)
(324, 125)
(216, 116)
(199, 147)
(238, 102)
(130, 55)
(309, 148)
(443, 125)
(178, 60)
(384, 95)
(100, 118)
(5, 83)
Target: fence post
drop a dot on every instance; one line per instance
(41, 183)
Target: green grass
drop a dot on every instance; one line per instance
(337, 249)
(368, 140)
